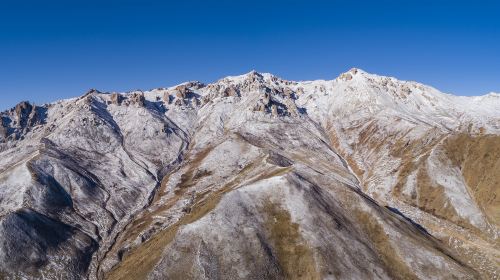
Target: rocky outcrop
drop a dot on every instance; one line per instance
(137, 99)
(22, 113)
(291, 107)
(230, 91)
(274, 110)
(4, 132)
(183, 96)
(116, 99)
(277, 103)
(167, 98)
(347, 76)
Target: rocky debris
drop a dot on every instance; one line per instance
(116, 99)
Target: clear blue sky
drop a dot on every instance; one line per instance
(55, 49)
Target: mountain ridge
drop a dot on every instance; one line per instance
(398, 174)
(489, 94)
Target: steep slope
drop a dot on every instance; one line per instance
(432, 156)
(253, 177)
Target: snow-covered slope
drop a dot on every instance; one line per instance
(253, 177)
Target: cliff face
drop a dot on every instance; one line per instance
(253, 177)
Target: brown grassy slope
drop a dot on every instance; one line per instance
(293, 254)
(478, 157)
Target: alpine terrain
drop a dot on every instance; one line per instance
(253, 177)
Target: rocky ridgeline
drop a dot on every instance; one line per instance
(274, 96)
(136, 98)
(19, 120)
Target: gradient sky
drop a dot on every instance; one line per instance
(56, 49)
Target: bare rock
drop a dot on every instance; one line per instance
(3, 129)
(254, 76)
(22, 113)
(346, 77)
(274, 110)
(179, 102)
(205, 99)
(180, 95)
(287, 92)
(182, 91)
(230, 91)
(138, 99)
(266, 99)
(116, 99)
(259, 107)
(194, 85)
(291, 107)
(34, 118)
(89, 93)
(167, 98)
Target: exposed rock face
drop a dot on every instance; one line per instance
(116, 99)
(3, 128)
(230, 91)
(19, 120)
(274, 110)
(137, 99)
(280, 104)
(364, 177)
(167, 98)
(23, 111)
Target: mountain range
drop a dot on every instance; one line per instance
(253, 177)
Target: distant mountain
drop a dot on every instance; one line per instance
(253, 177)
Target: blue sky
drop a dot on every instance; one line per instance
(56, 49)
